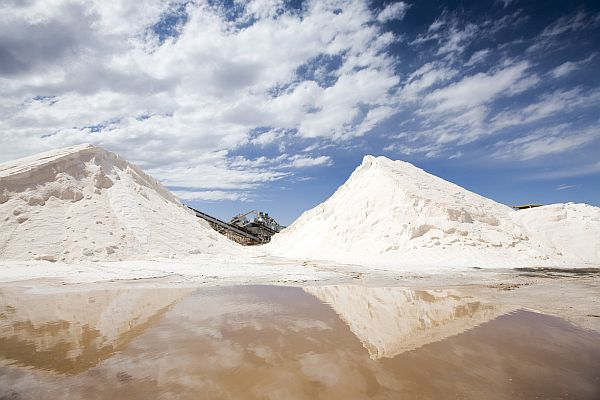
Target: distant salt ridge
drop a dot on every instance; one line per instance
(392, 213)
(86, 203)
(571, 229)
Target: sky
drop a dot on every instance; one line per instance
(271, 104)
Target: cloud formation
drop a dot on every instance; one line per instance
(393, 11)
(176, 99)
(217, 99)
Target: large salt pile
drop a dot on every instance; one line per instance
(84, 202)
(571, 229)
(394, 214)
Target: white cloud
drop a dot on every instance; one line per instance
(299, 161)
(477, 57)
(579, 170)
(458, 154)
(186, 102)
(451, 37)
(179, 105)
(564, 69)
(281, 162)
(453, 107)
(559, 101)
(481, 88)
(393, 11)
(570, 66)
(429, 150)
(554, 35)
(565, 187)
(211, 195)
(215, 173)
(437, 25)
(457, 39)
(268, 137)
(566, 24)
(558, 139)
(261, 8)
(505, 3)
(424, 78)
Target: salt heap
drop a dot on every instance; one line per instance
(392, 213)
(84, 202)
(571, 229)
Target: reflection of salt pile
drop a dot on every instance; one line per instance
(72, 331)
(393, 213)
(389, 321)
(572, 229)
(84, 202)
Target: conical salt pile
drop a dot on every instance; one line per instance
(86, 203)
(394, 214)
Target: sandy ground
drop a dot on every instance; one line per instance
(570, 294)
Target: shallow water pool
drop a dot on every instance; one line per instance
(270, 342)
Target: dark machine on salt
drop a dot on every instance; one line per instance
(253, 227)
(258, 223)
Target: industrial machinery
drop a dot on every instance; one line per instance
(525, 206)
(258, 223)
(253, 227)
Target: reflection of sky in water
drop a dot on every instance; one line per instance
(278, 342)
(390, 320)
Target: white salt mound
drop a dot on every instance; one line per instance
(86, 203)
(391, 213)
(571, 229)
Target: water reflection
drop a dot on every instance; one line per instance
(69, 332)
(391, 320)
(265, 342)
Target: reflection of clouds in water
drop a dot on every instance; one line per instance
(303, 351)
(68, 331)
(320, 368)
(227, 355)
(205, 340)
(389, 321)
(202, 330)
(298, 325)
(264, 352)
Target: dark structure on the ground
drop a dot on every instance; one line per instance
(258, 223)
(524, 206)
(243, 229)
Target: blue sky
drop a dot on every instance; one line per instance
(271, 104)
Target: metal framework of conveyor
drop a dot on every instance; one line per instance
(227, 227)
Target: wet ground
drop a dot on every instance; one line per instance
(244, 342)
